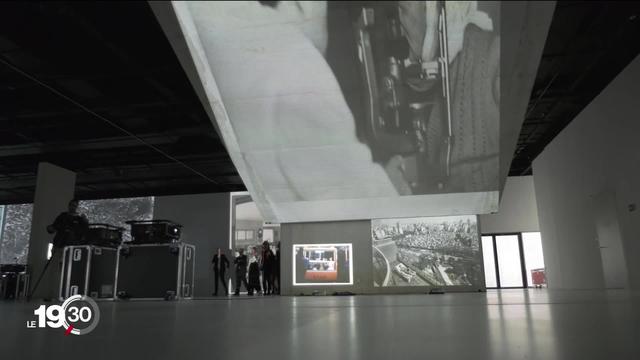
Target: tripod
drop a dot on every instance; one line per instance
(44, 270)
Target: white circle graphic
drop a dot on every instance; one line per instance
(95, 318)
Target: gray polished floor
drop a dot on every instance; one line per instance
(508, 324)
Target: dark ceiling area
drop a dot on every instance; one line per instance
(77, 79)
(589, 43)
(95, 87)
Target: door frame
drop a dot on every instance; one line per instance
(523, 265)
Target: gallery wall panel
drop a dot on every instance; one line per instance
(457, 261)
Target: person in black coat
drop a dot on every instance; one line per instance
(276, 281)
(241, 271)
(254, 278)
(220, 266)
(70, 227)
(268, 268)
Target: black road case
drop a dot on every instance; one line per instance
(156, 271)
(88, 270)
(14, 281)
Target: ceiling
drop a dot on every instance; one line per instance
(96, 88)
(77, 80)
(589, 43)
(248, 212)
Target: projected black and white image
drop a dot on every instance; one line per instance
(432, 251)
(322, 264)
(327, 102)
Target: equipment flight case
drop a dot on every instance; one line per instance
(155, 271)
(88, 270)
(14, 281)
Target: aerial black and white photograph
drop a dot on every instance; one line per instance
(433, 251)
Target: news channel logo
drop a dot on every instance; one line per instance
(78, 315)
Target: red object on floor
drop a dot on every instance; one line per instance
(538, 277)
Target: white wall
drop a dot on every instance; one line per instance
(518, 209)
(205, 221)
(357, 233)
(518, 213)
(588, 177)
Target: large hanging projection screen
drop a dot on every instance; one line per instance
(354, 110)
(430, 251)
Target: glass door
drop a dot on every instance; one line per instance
(511, 259)
(533, 258)
(488, 256)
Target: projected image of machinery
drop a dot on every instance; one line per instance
(408, 105)
(437, 251)
(370, 103)
(328, 264)
(419, 62)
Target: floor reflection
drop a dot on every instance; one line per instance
(520, 326)
(507, 324)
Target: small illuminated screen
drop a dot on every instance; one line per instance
(322, 264)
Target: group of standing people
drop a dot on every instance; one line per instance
(265, 267)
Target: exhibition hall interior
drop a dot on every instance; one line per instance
(320, 180)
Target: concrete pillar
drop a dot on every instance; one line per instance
(2, 211)
(55, 186)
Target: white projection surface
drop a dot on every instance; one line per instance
(428, 251)
(328, 117)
